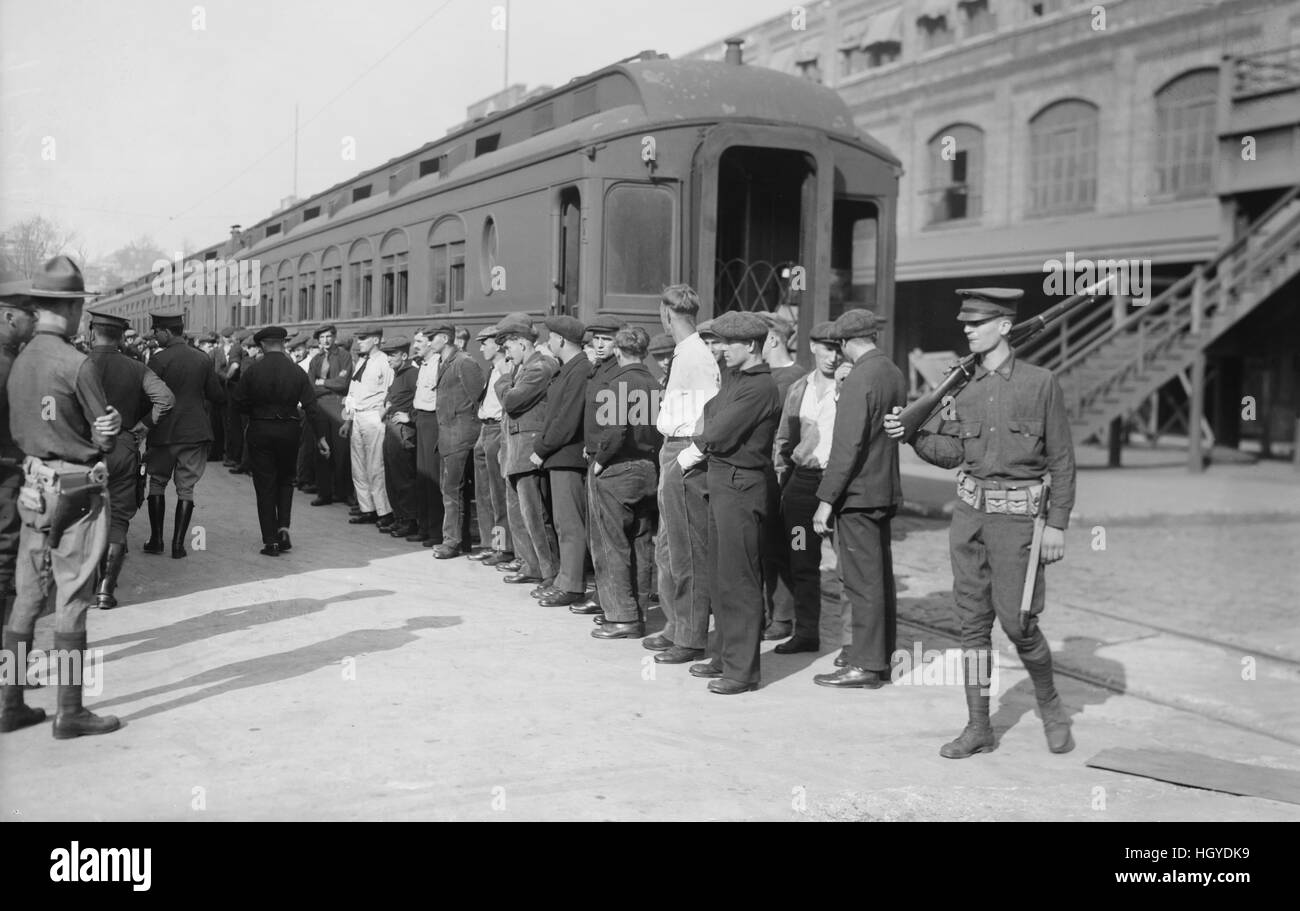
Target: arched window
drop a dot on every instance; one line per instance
(361, 278)
(956, 189)
(1185, 137)
(284, 292)
(1063, 158)
(331, 284)
(393, 254)
(306, 287)
(447, 265)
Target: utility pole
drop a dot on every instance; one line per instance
(295, 150)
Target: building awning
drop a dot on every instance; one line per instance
(884, 28)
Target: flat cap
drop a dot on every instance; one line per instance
(444, 328)
(322, 329)
(987, 303)
(824, 332)
(605, 325)
(486, 333)
(369, 332)
(516, 324)
(566, 327)
(662, 344)
(299, 340)
(172, 322)
(705, 329)
(270, 333)
(738, 326)
(210, 337)
(394, 344)
(228, 332)
(107, 319)
(242, 335)
(783, 326)
(857, 323)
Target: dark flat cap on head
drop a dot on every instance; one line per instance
(369, 332)
(736, 326)
(857, 323)
(394, 343)
(228, 332)
(209, 337)
(444, 328)
(662, 344)
(107, 319)
(172, 322)
(516, 324)
(321, 330)
(486, 333)
(987, 303)
(59, 279)
(298, 340)
(705, 329)
(345, 341)
(824, 332)
(566, 327)
(605, 325)
(270, 333)
(783, 326)
(243, 335)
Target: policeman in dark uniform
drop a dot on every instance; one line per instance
(141, 399)
(1006, 429)
(269, 393)
(17, 321)
(59, 417)
(738, 427)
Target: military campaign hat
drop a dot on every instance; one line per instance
(322, 329)
(13, 293)
(369, 332)
(516, 324)
(172, 322)
(824, 333)
(394, 344)
(444, 328)
(986, 303)
(605, 325)
(59, 279)
(566, 327)
(662, 344)
(107, 319)
(738, 326)
(270, 333)
(857, 323)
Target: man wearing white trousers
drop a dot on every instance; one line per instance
(363, 426)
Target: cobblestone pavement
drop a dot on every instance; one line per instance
(357, 678)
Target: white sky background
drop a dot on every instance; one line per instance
(153, 121)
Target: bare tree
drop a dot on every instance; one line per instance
(27, 244)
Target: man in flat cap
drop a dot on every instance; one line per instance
(364, 428)
(525, 407)
(661, 349)
(599, 351)
(861, 487)
(736, 432)
(399, 437)
(60, 419)
(227, 358)
(802, 451)
(1006, 430)
(17, 322)
(489, 480)
(460, 386)
(681, 548)
(142, 399)
(330, 371)
(558, 451)
(269, 393)
(432, 343)
(178, 443)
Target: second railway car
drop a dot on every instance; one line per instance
(750, 185)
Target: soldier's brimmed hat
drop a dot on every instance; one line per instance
(516, 324)
(566, 327)
(604, 325)
(824, 333)
(107, 320)
(394, 344)
(735, 326)
(270, 333)
(59, 280)
(446, 329)
(486, 333)
(979, 304)
(172, 322)
(662, 344)
(370, 332)
(857, 323)
(322, 329)
(14, 294)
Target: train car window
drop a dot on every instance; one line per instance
(855, 237)
(360, 193)
(584, 102)
(272, 229)
(485, 144)
(395, 285)
(430, 166)
(447, 265)
(311, 212)
(638, 239)
(488, 254)
(543, 117)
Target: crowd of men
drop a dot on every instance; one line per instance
(707, 490)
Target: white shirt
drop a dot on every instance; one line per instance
(426, 384)
(368, 394)
(693, 379)
(490, 410)
(816, 426)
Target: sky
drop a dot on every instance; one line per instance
(174, 118)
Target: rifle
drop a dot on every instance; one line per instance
(915, 415)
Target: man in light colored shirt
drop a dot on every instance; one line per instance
(803, 446)
(362, 424)
(429, 345)
(681, 547)
(489, 479)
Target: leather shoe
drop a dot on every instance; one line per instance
(680, 654)
(974, 738)
(851, 678)
(445, 552)
(724, 686)
(631, 630)
(519, 578)
(798, 644)
(416, 538)
(430, 542)
(270, 550)
(309, 488)
(563, 599)
(659, 643)
(401, 529)
(707, 669)
(479, 555)
(544, 590)
(286, 544)
(779, 629)
(363, 518)
(598, 619)
(511, 566)
(497, 558)
(322, 501)
(842, 659)
(385, 521)
(585, 607)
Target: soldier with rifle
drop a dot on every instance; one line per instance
(1005, 429)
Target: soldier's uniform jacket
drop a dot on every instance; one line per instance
(188, 374)
(54, 396)
(131, 387)
(560, 442)
(271, 389)
(1008, 425)
(739, 423)
(461, 386)
(8, 448)
(862, 470)
(524, 404)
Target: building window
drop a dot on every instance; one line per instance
(395, 285)
(1185, 134)
(447, 265)
(1063, 158)
(810, 70)
(956, 157)
(979, 18)
(332, 293)
(855, 237)
(488, 253)
(485, 144)
(638, 240)
(1041, 8)
(933, 31)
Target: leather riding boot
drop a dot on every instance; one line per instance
(184, 509)
(14, 714)
(1037, 659)
(113, 560)
(1056, 725)
(157, 512)
(72, 719)
(977, 737)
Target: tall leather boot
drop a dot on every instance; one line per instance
(157, 512)
(14, 714)
(1056, 720)
(977, 736)
(113, 560)
(184, 509)
(72, 719)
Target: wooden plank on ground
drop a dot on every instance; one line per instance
(1194, 770)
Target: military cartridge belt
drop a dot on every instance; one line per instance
(56, 474)
(999, 497)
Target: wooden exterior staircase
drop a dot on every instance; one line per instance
(1107, 369)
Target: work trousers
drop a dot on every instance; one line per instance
(234, 427)
(429, 510)
(534, 536)
(867, 566)
(217, 420)
(569, 511)
(73, 567)
(400, 470)
(682, 549)
(305, 472)
(273, 453)
(123, 462)
(623, 525)
(738, 502)
(367, 443)
(334, 471)
(778, 597)
(490, 490)
(798, 503)
(457, 470)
